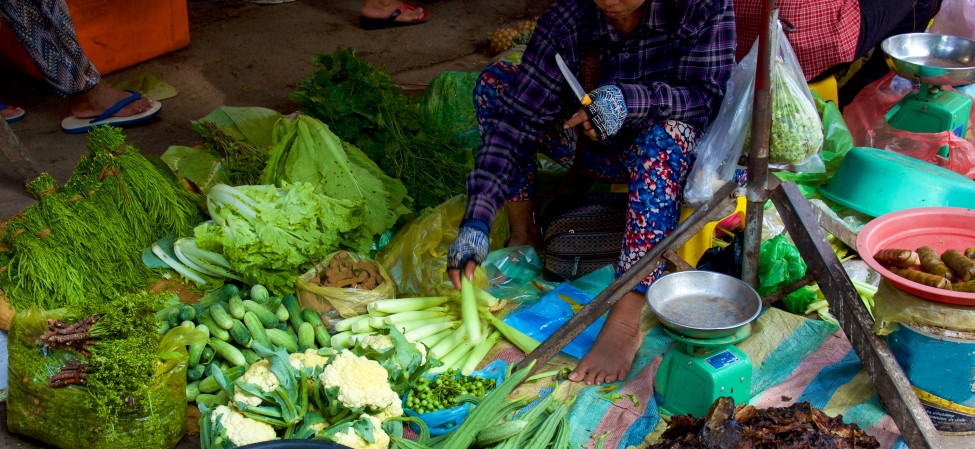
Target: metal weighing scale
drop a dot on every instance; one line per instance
(932, 61)
(708, 314)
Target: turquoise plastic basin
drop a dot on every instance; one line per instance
(876, 182)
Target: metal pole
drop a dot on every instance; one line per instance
(757, 190)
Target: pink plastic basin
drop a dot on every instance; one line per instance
(941, 228)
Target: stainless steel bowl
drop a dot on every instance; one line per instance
(702, 304)
(930, 58)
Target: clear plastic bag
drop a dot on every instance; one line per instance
(65, 417)
(509, 270)
(956, 18)
(866, 117)
(348, 302)
(443, 421)
(797, 132)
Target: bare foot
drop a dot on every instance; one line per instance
(381, 9)
(10, 111)
(612, 354)
(93, 103)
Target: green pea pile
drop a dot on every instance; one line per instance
(442, 392)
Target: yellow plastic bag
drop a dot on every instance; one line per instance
(66, 417)
(348, 302)
(892, 305)
(417, 256)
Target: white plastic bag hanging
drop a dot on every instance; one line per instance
(956, 18)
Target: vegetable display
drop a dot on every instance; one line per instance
(953, 270)
(342, 272)
(445, 390)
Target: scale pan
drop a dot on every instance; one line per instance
(934, 59)
(703, 304)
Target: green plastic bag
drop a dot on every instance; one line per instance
(779, 265)
(447, 106)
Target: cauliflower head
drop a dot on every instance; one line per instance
(258, 374)
(351, 439)
(395, 409)
(381, 342)
(362, 383)
(242, 430)
(308, 359)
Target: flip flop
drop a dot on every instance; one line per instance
(371, 23)
(75, 125)
(15, 118)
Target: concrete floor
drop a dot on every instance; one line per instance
(243, 54)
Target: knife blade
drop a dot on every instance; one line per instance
(577, 89)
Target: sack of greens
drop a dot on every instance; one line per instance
(98, 375)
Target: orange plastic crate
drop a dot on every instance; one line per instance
(115, 34)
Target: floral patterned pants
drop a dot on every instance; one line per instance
(654, 163)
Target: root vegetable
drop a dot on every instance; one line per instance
(930, 280)
(962, 266)
(933, 264)
(902, 258)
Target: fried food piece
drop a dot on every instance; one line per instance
(902, 258)
(962, 266)
(922, 278)
(933, 264)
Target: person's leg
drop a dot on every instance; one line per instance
(45, 29)
(878, 21)
(381, 9)
(658, 163)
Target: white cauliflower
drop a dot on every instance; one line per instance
(308, 359)
(380, 342)
(395, 409)
(242, 430)
(258, 374)
(362, 383)
(351, 439)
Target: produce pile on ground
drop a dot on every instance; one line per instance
(953, 270)
(505, 38)
(745, 427)
(343, 272)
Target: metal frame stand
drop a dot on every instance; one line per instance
(805, 226)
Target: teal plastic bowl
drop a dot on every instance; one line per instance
(876, 182)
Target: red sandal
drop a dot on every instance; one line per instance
(371, 23)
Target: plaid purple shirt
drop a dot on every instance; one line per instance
(674, 66)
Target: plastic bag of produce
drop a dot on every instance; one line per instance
(345, 282)
(72, 417)
(443, 421)
(447, 107)
(779, 265)
(867, 119)
(416, 258)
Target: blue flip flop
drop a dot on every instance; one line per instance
(74, 125)
(15, 118)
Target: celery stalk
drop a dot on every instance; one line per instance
(435, 338)
(454, 357)
(428, 330)
(515, 336)
(410, 325)
(468, 310)
(403, 317)
(346, 324)
(405, 304)
(449, 343)
(479, 352)
(341, 339)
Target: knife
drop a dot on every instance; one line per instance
(573, 82)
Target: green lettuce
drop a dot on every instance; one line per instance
(305, 150)
(270, 235)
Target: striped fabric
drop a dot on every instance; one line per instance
(794, 359)
(45, 30)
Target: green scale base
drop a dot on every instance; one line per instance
(696, 372)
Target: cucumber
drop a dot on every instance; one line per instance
(207, 355)
(291, 332)
(173, 318)
(236, 306)
(213, 400)
(256, 329)
(221, 317)
(209, 385)
(198, 310)
(195, 373)
(306, 337)
(294, 310)
(228, 352)
(195, 350)
(259, 294)
(215, 331)
(250, 356)
(187, 313)
(321, 333)
(162, 328)
(282, 314)
(221, 294)
(272, 303)
(283, 340)
(268, 320)
(188, 325)
(192, 390)
(282, 326)
(240, 334)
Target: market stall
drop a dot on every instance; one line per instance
(285, 281)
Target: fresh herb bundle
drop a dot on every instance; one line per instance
(363, 106)
(242, 161)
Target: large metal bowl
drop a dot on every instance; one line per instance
(929, 58)
(703, 304)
